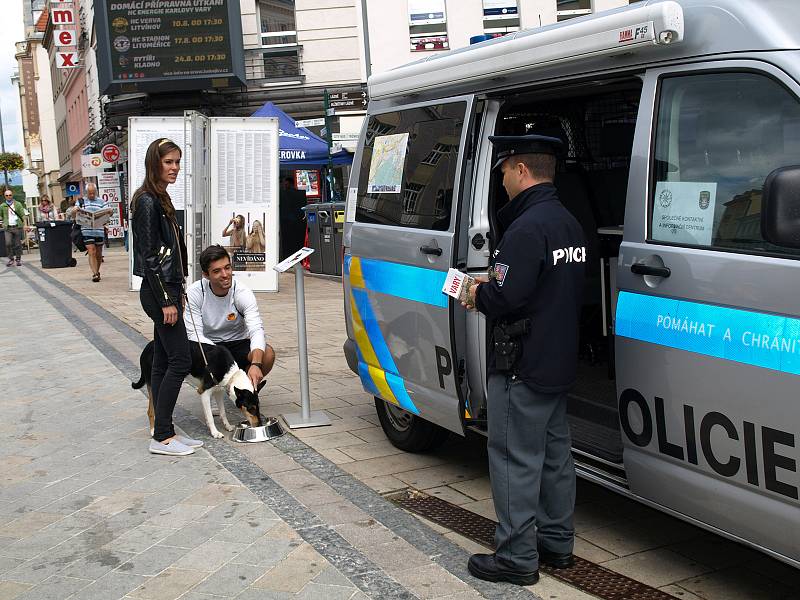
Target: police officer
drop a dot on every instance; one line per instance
(532, 300)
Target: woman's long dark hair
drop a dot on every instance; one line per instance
(152, 179)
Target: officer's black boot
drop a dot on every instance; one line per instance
(556, 560)
(490, 568)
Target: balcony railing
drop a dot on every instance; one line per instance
(274, 64)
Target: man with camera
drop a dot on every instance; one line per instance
(532, 301)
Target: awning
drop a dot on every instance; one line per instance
(299, 147)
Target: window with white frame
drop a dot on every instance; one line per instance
(569, 9)
(278, 27)
(500, 17)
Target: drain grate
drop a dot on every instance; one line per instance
(584, 575)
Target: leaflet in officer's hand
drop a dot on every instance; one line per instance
(456, 284)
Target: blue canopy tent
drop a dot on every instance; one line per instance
(299, 148)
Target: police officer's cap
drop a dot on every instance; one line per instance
(511, 145)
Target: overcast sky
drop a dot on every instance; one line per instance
(13, 31)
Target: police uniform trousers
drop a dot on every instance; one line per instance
(531, 469)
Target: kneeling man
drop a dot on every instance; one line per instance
(225, 313)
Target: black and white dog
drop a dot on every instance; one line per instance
(222, 377)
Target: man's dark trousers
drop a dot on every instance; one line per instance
(532, 474)
(14, 241)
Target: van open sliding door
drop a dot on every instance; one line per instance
(403, 234)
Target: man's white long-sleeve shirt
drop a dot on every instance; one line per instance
(233, 316)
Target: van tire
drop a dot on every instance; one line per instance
(408, 432)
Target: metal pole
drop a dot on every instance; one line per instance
(3, 144)
(305, 418)
(300, 301)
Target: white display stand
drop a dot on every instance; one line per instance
(141, 132)
(244, 173)
(229, 167)
(305, 418)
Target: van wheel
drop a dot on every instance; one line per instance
(406, 431)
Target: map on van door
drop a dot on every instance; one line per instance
(388, 160)
(683, 212)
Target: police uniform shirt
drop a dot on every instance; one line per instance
(538, 273)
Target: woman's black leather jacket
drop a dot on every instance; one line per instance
(159, 252)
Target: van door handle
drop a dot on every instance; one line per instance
(435, 250)
(644, 269)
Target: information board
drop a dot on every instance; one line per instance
(141, 132)
(164, 45)
(244, 189)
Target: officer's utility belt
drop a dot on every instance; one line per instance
(507, 345)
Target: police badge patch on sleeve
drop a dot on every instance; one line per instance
(499, 273)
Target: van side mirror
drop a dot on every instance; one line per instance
(780, 207)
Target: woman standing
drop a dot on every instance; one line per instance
(159, 256)
(47, 211)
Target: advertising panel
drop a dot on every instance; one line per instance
(141, 132)
(164, 45)
(244, 196)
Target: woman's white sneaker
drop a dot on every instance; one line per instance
(187, 441)
(173, 448)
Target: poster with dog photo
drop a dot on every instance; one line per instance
(244, 197)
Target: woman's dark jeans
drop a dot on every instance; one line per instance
(171, 359)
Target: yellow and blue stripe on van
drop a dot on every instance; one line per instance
(376, 367)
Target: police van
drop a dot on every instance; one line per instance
(682, 123)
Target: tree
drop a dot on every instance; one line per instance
(10, 161)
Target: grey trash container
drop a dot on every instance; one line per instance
(312, 220)
(55, 244)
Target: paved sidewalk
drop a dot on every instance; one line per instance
(87, 513)
(312, 467)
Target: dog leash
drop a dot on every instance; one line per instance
(194, 326)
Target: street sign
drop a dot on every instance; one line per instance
(110, 153)
(92, 164)
(67, 60)
(65, 37)
(310, 122)
(62, 16)
(349, 101)
(345, 137)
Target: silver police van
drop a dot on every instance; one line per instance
(682, 122)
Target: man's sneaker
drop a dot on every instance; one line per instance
(19, 262)
(10, 262)
(187, 441)
(174, 448)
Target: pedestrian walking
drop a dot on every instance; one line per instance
(159, 257)
(93, 238)
(532, 301)
(13, 213)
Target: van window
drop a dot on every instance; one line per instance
(718, 136)
(408, 167)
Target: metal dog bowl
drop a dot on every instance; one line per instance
(246, 433)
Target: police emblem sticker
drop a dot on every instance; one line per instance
(500, 272)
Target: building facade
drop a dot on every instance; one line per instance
(36, 103)
(295, 51)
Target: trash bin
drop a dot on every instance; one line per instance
(312, 220)
(55, 244)
(338, 235)
(3, 243)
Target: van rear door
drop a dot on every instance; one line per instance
(707, 318)
(402, 242)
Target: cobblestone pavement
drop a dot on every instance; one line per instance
(318, 487)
